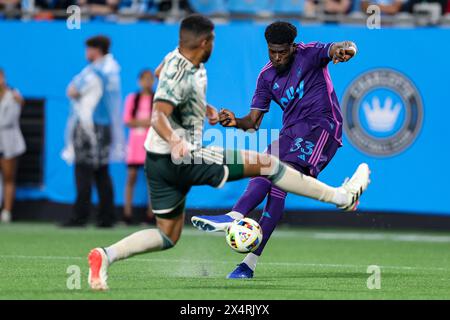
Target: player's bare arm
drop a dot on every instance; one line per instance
(160, 123)
(342, 51)
(250, 121)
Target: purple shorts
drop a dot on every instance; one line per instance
(308, 148)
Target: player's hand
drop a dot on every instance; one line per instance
(227, 118)
(212, 115)
(179, 148)
(344, 54)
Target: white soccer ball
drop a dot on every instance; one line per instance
(244, 235)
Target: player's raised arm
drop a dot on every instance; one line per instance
(342, 51)
(250, 121)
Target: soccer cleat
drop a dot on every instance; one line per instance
(98, 269)
(212, 223)
(242, 271)
(355, 186)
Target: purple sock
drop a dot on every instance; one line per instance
(273, 211)
(254, 194)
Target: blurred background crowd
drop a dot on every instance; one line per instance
(324, 10)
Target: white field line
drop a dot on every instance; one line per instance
(187, 261)
(381, 236)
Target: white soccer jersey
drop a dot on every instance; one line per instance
(184, 86)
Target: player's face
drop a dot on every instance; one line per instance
(281, 55)
(2, 79)
(208, 47)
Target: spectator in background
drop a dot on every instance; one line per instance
(136, 6)
(409, 5)
(53, 4)
(95, 131)
(137, 116)
(99, 7)
(166, 5)
(312, 7)
(12, 143)
(388, 7)
(45, 9)
(46, 5)
(8, 6)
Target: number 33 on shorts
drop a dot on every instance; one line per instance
(306, 148)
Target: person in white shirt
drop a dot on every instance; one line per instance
(12, 143)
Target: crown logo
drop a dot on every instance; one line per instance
(381, 118)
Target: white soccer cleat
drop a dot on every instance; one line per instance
(98, 269)
(355, 186)
(5, 216)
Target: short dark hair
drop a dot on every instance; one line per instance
(100, 42)
(193, 27)
(280, 32)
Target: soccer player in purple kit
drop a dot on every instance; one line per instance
(297, 79)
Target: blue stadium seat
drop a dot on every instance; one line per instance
(249, 6)
(288, 6)
(209, 6)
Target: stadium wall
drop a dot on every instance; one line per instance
(406, 146)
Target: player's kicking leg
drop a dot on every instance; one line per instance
(288, 179)
(164, 237)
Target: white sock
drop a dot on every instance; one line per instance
(251, 260)
(138, 242)
(235, 215)
(293, 181)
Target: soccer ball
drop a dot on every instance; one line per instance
(244, 235)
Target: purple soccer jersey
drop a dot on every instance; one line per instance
(304, 92)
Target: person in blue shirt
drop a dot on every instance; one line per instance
(94, 131)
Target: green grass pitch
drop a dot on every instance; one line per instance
(297, 264)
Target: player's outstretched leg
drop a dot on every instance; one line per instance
(253, 195)
(290, 180)
(149, 240)
(252, 164)
(272, 213)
